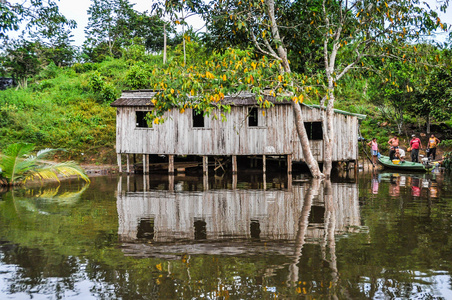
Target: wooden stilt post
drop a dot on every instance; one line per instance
(144, 181)
(171, 164)
(234, 164)
(205, 165)
(144, 164)
(120, 185)
(128, 163)
(234, 181)
(289, 164)
(171, 182)
(205, 181)
(119, 162)
(128, 183)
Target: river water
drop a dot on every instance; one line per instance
(380, 236)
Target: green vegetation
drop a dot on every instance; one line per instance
(63, 94)
(18, 165)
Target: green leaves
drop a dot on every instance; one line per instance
(18, 165)
(204, 86)
(137, 77)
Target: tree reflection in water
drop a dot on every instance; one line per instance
(141, 237)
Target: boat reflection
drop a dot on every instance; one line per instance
(164, 223)
(416, 185)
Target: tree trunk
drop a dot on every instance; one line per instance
(183, 38)
(303, 223)
(428, 124)
(328, 137)
(298, 117)
(164, 43)
(305, 146)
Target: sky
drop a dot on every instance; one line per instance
(77, 10)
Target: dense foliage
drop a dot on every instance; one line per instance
(63, 94)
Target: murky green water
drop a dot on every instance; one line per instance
(386, 236)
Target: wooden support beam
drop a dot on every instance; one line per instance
(144, 180)
(205, 165)
(119, 185)
(264, 164)
(205, 182)
(128, 163)
(144, 164)
(171, 164)
(289, 181)
(234, 164)
(171, 182)
(289, 164)
(234, 181)
(119, 162)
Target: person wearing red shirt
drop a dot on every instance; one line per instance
(415, 145)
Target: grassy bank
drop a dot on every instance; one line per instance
(69, 108)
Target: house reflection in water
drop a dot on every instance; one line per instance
(230, 221)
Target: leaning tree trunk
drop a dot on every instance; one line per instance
(298, 117)
(304, 140)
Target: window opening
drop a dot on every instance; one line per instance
(200, 230)
(317, 215)
(314, 130)
(198, 119)
(252, 117)
(145, 229)
(255, 229)
(141, 120)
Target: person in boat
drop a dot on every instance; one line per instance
(374, 148)
(415, 145)
(393, 145)
(400, 155)
(431, 146)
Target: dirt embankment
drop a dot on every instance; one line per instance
(99, 170)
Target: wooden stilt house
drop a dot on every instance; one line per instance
(248, 130)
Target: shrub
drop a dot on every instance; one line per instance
(109, 93)
(134, 53)
(447, 161)
(446, 143)
(96, 82)
(86, 67)
(51, 71)
(137, 78)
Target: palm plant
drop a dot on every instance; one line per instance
(18, 166)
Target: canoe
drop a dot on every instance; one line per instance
(406, 165)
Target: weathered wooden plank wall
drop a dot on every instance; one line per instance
(228, 213)
(276, 134)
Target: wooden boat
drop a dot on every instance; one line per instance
(406, 165)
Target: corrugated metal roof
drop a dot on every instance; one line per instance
(144, 97)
